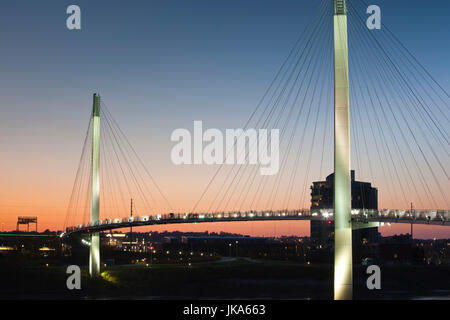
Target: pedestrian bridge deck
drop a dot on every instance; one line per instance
(431, 217)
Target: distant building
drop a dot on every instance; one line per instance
(364, 196)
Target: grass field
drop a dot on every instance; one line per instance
(236, 279)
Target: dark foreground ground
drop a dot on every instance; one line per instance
(236, 279)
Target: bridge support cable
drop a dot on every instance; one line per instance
(109, 182)
(135, 159)
(114, 177)
(307, 78)
(406, 78)
(397, 91)
(367, 55)
(121, 175)
(300, 66)
(417, 64)
(72, 208)
(126, 176)
(328, 71)
(374, 97)
(311, 80)
(129, 174)
(315, 103)
(269, 115)
(303, 91)
(326, 126)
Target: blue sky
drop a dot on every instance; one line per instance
(166, 58)
(193, 51)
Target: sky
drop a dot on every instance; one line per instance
(158, 65)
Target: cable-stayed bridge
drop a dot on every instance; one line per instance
(399, 115)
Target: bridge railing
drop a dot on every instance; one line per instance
(363, 214)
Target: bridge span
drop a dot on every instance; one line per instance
(360, 218)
